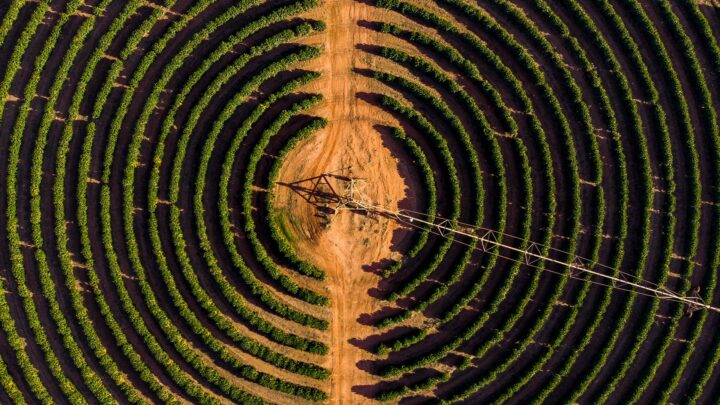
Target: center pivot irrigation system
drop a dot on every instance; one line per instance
(332, 192)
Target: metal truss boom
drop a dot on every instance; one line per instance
(320, 192)
(491, 242)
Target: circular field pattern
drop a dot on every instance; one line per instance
(173, 173)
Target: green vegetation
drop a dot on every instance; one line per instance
(144, 259)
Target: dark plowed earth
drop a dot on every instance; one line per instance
(157, 246)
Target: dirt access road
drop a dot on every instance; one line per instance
(351, 241)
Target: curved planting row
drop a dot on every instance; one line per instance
(554, 114)
(132, 274)
(143, 261)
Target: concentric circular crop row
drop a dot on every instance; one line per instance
(586, 126)
(134, 134)
(143, 260)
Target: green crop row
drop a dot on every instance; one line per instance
(518, 146)
(712, 357)
(598, 204)
(428, 99)
(289, 253)
(710, 121)
(454, 57)
(170, 330)
(6, 380)
(305, 53)
(645, 198)
(249, 224)
(272, 221)
(433, 20)
(406, 389)
(452, 87)
(200, 294)
(10, 14)
(231, 295)
(621, 180)
(227, 228)
(292, 340)
(547, 94)
(681, 110)
(490, 143)
(237, 300)
(180, 344)
(486, 54)
(599, 201)
(121, 340)
(402, 342)
(431, 194)
(310, 128)
(668, 225)
(447, 159)
(287, 250)
(17, 261)
(251, 316)
(112, 72)
(29, 371)
(92, 380)
(248, 345)
(283, 244)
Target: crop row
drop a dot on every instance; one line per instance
(467, 67)
(710, 120)
(8, 322)
(692, 166)
(621, 176)
(60, 358)
(252, 317)
(599, 200)
(428, 99)
(119, 334)
(6, 380)
(281, 385)
(248, 345)
(647, 198)
(440, 144)
(169, 330)
(553, 71)
(445, 25)
(497, 168)
(596, 175)
(420, 159)
(559, 117)
(237, 302)
(228, 234)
